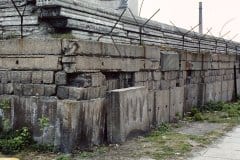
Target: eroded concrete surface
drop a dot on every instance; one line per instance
(228, 148)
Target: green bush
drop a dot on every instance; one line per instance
(213, 106)
(163, 128)
(43, 147)
(194, 111)
(13, 142)
(64, 157)
(198, 117)
(232, 113)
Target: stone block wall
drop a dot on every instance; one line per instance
(82, 86)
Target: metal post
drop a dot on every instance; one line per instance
(200, 19)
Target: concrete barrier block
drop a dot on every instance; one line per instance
(230, 90)
(210, 92)
(151, 107)
(191, 96)
(217, 87)
(224, 91)
(127, 113)
(79, 127)
(162, 106)
(176, 103)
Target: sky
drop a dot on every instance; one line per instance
(220, 15)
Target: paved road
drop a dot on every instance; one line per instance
(226, 149)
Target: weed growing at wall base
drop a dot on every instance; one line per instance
(217, 112)
(14, 141)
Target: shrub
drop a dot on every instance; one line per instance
(14, 142)
(213, 106)
(194, 111)
(163, 128)
(198, 117)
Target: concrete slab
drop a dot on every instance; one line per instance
(169, 61)
(162, 106)
(176, 103)
(127, 113)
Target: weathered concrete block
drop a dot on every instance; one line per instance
(224, 91)
(37, 77)
(8, 88)
(230, 91)
(151, 107)
(112, 64)
(73, 47)
(129, 51)
(63, 92)
(17, 89)
(112, 84)
(61, 78)
(15, 76)
(176, 103)
(169, 61)
(87, 93)
(30, 46)
(142, 76)
(26, 77)
(162, 106)
(38, 90)
(157, 76)
(152, 52)
(1, 88)
(210, 92)
(164, 84)
(191, 96)
(48, 77)
(31, 109)
(79, 127)
(28, 89)
(217, 89)
(127, 113)
(50, 90)
(4, 76)
(34, 62)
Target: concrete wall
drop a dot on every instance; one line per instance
(82, 86)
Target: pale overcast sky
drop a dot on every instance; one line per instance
(184, 13)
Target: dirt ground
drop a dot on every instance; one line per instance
(180, 142)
